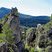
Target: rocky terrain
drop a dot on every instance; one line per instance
(16, 38)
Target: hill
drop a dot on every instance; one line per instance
(26, 20)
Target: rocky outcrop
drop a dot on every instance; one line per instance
(1, 28)
(14, 24)
(42, 39)
(31, 36)
(13, 21)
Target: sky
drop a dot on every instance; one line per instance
(30, 7)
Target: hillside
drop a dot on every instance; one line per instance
(14, 38)
(26, 20)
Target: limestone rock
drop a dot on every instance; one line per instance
(14, 23)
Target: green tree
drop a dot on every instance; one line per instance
(8, 32)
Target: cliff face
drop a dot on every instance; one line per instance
(14, 22)
(36, 37)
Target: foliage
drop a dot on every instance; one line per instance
(2, 37)
(48, 49)
(48, 25)
(8, 32)
(29, 30)
(11, 50)
(6, 36)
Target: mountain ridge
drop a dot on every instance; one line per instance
(26, 20)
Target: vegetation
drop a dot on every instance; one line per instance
(6, 36)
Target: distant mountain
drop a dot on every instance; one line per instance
(26, 20)
(4, 11)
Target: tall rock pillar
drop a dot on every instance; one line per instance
(15, 27)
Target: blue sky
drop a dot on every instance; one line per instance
(30, 7)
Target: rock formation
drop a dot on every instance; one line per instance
(1, 28)
(14, 23)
